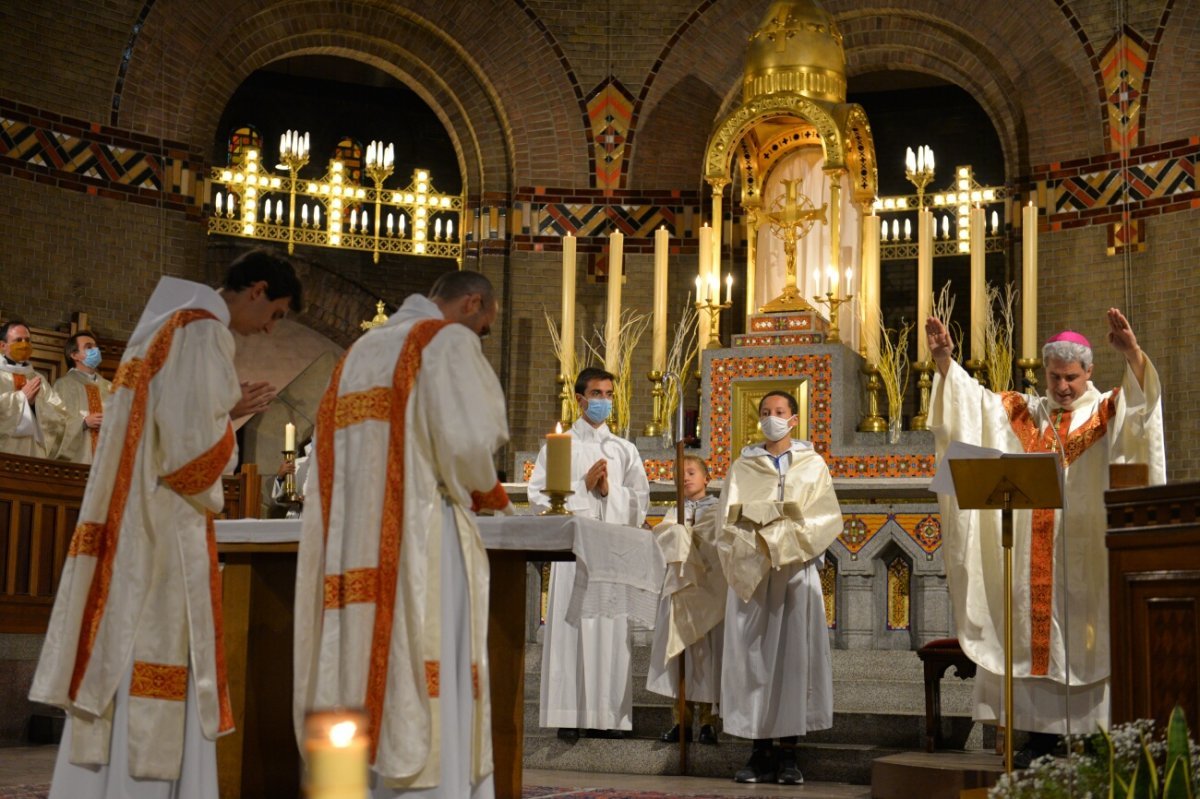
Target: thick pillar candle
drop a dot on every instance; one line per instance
(558, 460)
(289, 437)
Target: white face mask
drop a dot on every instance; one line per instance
(775, 427)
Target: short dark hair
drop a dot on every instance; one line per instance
(71, 345)
(9, 325)
(795, 406)
(461, 283)
(263, 264)
(588, 375)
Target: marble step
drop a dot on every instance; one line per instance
(889, 682)
(876, 729)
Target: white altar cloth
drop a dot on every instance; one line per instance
(619, 570)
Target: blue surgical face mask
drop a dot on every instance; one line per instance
(598, 410)
(92, 357)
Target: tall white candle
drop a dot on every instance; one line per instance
(924, 278)
(612, 329)
(289, 437)
(979, 312)
(661, 244)
(1029, 337)
(567, 331)
(702, 281)
(870, 282)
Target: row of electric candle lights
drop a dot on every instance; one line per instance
(359, 222)
(894, 228)
(979, 311)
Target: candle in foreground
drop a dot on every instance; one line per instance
(289, 437)
(335, 745)
(558, 460)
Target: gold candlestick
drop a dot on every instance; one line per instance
(1029, 367)
(978, 370)
(289, 495)
(713, 309)
(873, 422)
(558, 503)
(834, 304)
(565, 398)
(924, 389)
(657, 422)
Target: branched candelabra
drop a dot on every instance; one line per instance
(834, 304)
(712, 306)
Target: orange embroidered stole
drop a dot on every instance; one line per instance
(99, 539)
(1041, 543)
(376, 585)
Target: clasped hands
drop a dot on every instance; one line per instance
(596, 478)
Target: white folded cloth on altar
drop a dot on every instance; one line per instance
(619, 569)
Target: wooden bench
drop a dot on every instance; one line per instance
(938, 656)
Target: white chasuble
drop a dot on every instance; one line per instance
(32, 430)
(691, 607)
(776, 673)
(81, 394)
(1060, 567)
(136, 625)
(587, 677)
(402, 458)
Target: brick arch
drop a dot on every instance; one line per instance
(1034, 95)
(193, 59)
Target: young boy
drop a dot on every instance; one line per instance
(778, 514)
(691, 608)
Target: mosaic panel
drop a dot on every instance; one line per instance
(828, 574)
(84, 156)
(859, 529)
(899, 590)
(610, 113)
(1151, 180)
(1123, 64)
(724, 371)
(639, 221)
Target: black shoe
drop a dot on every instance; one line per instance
(760, 767)
(1039, 744)
(615, 734)
(568, 734)
(789, 773)
(708, 735)
(671, 736)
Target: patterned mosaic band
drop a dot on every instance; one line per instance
(96, 159)
(74, 154)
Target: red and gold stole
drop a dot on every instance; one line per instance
(376, 585)
(1041, 544)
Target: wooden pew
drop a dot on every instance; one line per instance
(39, 507)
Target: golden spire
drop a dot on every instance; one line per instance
(797, 49)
